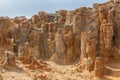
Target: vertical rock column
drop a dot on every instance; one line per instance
(51, 38)
(106, 33)
(43, 40)
(98, 68)
(78, 27)
(116, 24)
(68, 39)
(60, 47)
(83, 46)
(88, 49)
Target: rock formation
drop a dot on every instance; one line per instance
(90, 35)
(8, 60)
(98, 68)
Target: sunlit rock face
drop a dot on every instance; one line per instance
(88, 35)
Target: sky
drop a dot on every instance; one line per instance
(28, 8)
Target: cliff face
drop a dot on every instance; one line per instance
(90, 35)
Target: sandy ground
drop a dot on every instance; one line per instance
(58, 72)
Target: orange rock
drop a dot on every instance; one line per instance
(98, 69)
(8, 60)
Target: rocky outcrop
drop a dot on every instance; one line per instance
(61, 15)
(83, 34)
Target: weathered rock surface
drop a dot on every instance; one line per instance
(8, 60)
(82, 35)
(98, 67)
